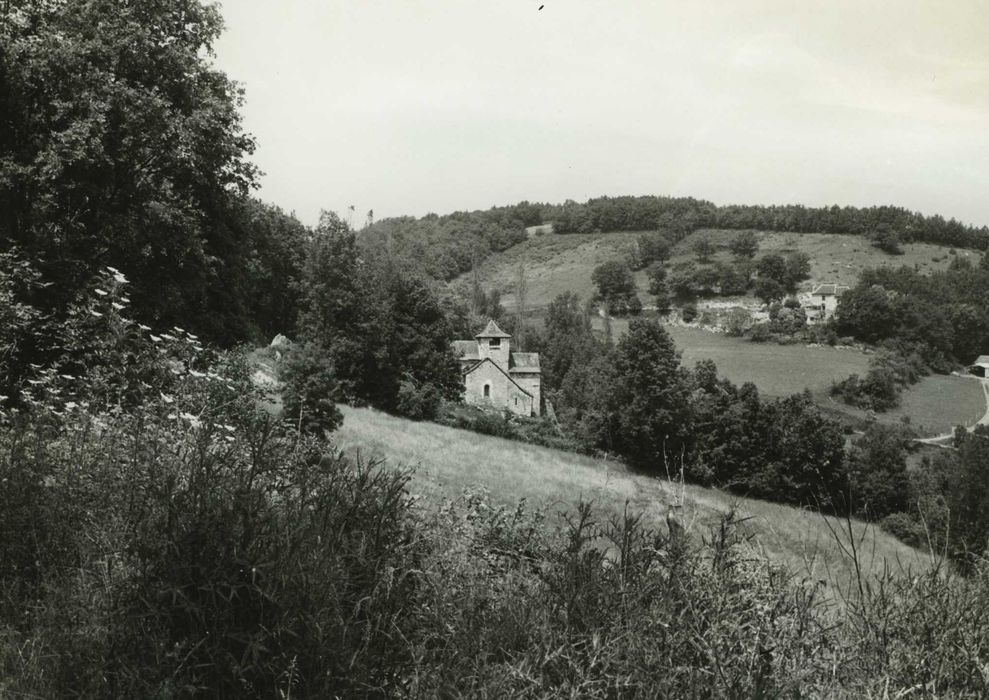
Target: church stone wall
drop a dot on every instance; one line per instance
(502, 394)
(530, 381)
(498, 355)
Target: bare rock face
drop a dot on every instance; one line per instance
(280, 341)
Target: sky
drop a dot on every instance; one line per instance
(414, 106)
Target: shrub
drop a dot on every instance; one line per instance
(654, 248)
(760, 333)
(889, 373)
(886, 239)
(906, 528)
(689, 312)
(200, 573)
(821, 333)
(163, 535)
(737, 322)
(311, 390)
(537, 431)
(787, 319)
(704, 248)
(744, 245)
(418, 401)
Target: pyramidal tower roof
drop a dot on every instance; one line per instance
(492, 331)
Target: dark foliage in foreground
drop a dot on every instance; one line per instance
(125, 147)
(267, 565)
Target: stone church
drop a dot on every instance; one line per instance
(497, 377)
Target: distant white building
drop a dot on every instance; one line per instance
(823, 302)
(540, 230)
(980, 367)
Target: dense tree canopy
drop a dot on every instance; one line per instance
(616, 287)
(122, 145)
(446, 246)
(943, 316)
(877, 468)
(969, 496)
(680, 216)
(785, 450)
(381, 323)
(645, 398)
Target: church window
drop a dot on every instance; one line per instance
(487, 391)
(495, 343)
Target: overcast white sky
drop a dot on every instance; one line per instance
(413, 106)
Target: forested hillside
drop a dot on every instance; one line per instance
(448, 245)
(681, 215)
(445, 246)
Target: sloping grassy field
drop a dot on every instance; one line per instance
(833, 257)
(448, 460)
(557, 263)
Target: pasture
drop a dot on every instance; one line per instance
(557, 263)
(777, 370)
(933, 406)
(833, 257)
(448, 461)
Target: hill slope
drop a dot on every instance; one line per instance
(556, 263)
(450, 460)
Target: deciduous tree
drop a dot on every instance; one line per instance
(645, 399)
(123, 145)
(744, 245)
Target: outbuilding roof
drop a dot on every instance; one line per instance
(525, 362)
(492, 331)
(982, 360)
(829, 290)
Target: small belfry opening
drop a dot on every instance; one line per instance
(487, 391)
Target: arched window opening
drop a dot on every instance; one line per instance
(487, 391)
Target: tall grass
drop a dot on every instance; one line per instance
(144, 557)
(448, 460)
